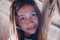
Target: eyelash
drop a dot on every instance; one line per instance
(22, 18)
(34, 14)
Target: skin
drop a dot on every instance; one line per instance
(27, 19)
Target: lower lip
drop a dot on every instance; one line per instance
(31, 28)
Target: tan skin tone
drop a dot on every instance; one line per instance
(27, 19)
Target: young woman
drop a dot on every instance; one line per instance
(27, 19)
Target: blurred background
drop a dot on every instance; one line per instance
(54, 30)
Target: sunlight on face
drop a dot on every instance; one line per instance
(27, 19)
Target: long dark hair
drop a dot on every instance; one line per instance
(17, 5)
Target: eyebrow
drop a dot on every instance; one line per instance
(33, 11)
(24, 15)
(30, 13)
(20, 15)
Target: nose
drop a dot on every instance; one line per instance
(30, 21)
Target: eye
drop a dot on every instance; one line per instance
(22, 18)
(34, 14)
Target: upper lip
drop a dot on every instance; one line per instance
(31, 27)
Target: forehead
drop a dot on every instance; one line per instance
(25, 9)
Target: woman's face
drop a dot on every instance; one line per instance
(27, 19)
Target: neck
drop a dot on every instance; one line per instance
(27, 35)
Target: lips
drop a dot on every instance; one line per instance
(31, 28)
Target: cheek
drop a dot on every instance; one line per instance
(23, 25)
(36, 20)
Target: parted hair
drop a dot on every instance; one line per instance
(16, 5)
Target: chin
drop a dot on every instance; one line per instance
(32, 32)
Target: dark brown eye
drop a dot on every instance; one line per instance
(22, 18)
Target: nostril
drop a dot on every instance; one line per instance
(30, 22)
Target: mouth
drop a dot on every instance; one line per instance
(31, 28)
